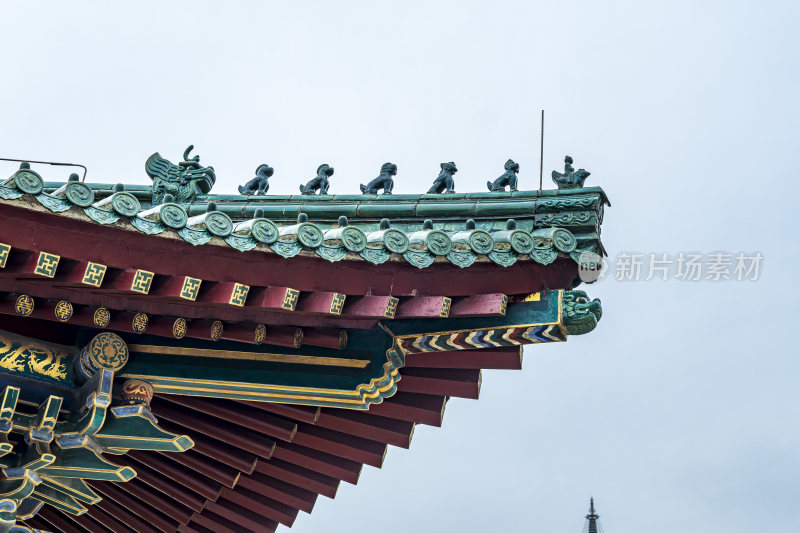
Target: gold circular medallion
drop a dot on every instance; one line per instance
(139, 323)
(216, 330)
(107, 350)
(260, 333)
(179, 328)
(63, 311)
(23, 305)
(101, 317)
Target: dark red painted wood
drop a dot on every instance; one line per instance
(165, 503)
(311, 480)
(275, 298)
(215, 449)
(373, 427)
(236, 413)
(258, 504)
(232, 434)
(222, 474)
(324, 463)
(237, 515)
(425, 409)
(219, 293)
(440, 381)
(165, 484)
(506, 358)
(109, 522)
(58, 521)
(327, 338)
(423, 307)
(123, 515)
(479, 305)
(153, 517)
(318, 303)
(33, 229)
(283, 336)
(300, 413)
(240, 332)
(369, 306)
(341, 444)
(281, 491)
(215, 523)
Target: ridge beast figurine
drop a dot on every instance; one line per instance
(571, 178)
(383, 181)
(320, 182)
(444, 182)
(508, 178)
(185, 181)
(259, 184)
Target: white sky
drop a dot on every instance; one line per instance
(679, 413)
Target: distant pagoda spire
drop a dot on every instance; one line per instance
(592, 520)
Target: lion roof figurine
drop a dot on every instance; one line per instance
(383, 181)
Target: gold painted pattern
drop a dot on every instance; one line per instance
(142, 281)
(40, 360)
(63, 311)
(216, 330)
(5, 249)
(239, 294)
(250, 356)
(391, 307)
(47, 264)
(290, 299)
(337, 303)
(191, 286)
(260, 333)
(94, 274)
(445, 312)
(23, 305)
(179, 328)
(139, 323)
(101, 317)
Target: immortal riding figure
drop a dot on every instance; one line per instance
(571, 178)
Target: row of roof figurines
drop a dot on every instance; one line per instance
(443, 184)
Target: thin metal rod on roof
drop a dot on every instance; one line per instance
(48, 163)
(541, 153)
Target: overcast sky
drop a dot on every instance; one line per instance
(680, 411)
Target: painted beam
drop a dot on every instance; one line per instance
(165, 504)
(321, 303)
(214, 449)
(372, 427)
(425, 409)
(479, 305)
(377, 307)
(325, 337)
(505, 358)
(224, 293)
(301, 413)
(281, 491)
(324, 463)
(222, 474)
(341, 444)
(252, 506)
(202, 485)
(442, 382)
(231, 434)
(153, 517)
(424, 307)
(273, 298)
(236, 413)
(299, 476)
(166, 485)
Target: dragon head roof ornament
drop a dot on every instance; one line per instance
(185, 181)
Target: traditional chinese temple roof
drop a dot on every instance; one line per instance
(176, 360)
